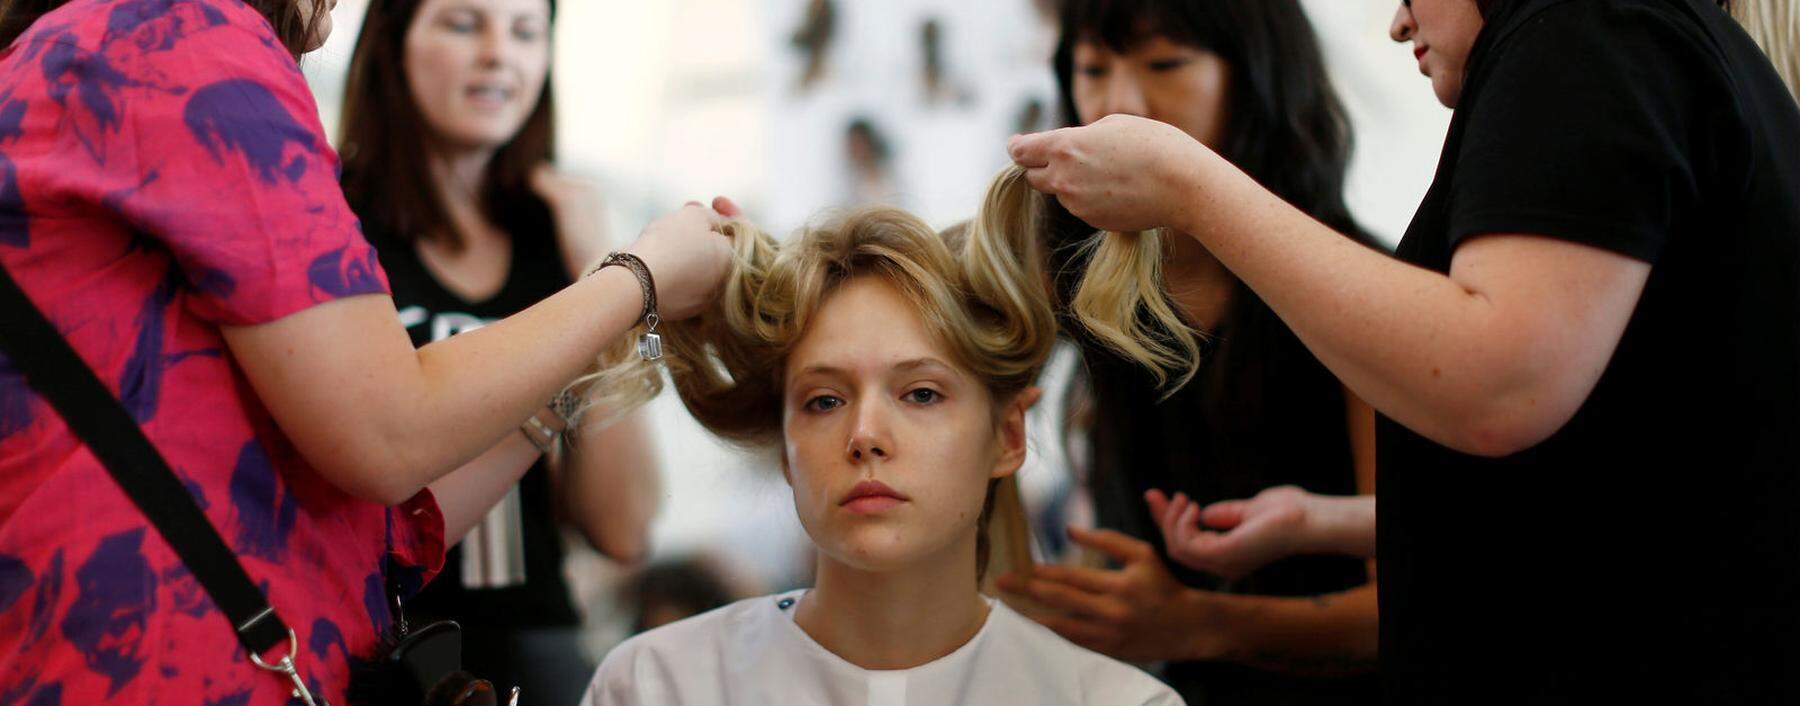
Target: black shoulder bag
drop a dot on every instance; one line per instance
(421, 667)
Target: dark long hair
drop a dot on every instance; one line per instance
(1284, 127)
(387, 180)
(291, 27)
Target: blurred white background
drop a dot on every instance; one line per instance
(664, 101)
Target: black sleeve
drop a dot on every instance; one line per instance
(1584, 128)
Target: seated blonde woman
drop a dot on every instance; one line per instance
(890, 368)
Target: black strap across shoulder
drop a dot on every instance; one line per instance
(54, 370)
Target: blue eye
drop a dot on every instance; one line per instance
(823, 403)
(923, 395)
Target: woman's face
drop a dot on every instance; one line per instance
(1159, 79)
(889, 446)
(477, 67)
(1442, 33)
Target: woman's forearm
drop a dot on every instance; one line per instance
(1398, 335)
(383, 420)
(1446, 356)
(1318, 635)
(467, 494)
(611, 486)
(479, 389)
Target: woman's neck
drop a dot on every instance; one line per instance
(896, 619)
(457, 176)
(1197, 281)
(471, 260)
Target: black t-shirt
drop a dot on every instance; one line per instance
(1262, 412)
(1650, 549)
(430, 312)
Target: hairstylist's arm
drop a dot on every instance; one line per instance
(627, 468)
(608, 485)
(382, 420)
(607, 482)
(1489, 360)
(467, 494)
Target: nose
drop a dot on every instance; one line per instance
(1124, 96)
(1404, 26)
(870, 438)
(493, 44)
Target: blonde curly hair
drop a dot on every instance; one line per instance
(981, 288)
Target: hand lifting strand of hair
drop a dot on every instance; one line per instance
(982, 290)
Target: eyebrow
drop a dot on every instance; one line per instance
(479, 10)
(902, 366)
(917, 363)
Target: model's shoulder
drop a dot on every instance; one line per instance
(710, 631)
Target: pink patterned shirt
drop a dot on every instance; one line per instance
(163, 173)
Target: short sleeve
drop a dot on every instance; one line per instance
(208, 143)
(1586, 129)
(415, 542)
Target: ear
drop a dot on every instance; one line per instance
(1029, 397)
(1011, 431)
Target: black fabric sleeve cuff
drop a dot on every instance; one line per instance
(1621, 238)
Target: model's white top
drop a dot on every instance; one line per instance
(751, 652)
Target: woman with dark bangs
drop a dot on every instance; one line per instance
(1245, 77)
(1587, 356)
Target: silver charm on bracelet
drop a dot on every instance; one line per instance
(649, 345)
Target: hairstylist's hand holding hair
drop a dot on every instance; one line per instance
(687, 259)
(1120, 173)
(1235, 537)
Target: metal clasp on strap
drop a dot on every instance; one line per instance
(285, 666)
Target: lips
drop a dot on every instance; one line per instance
(872, 496)
(1419, 52)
